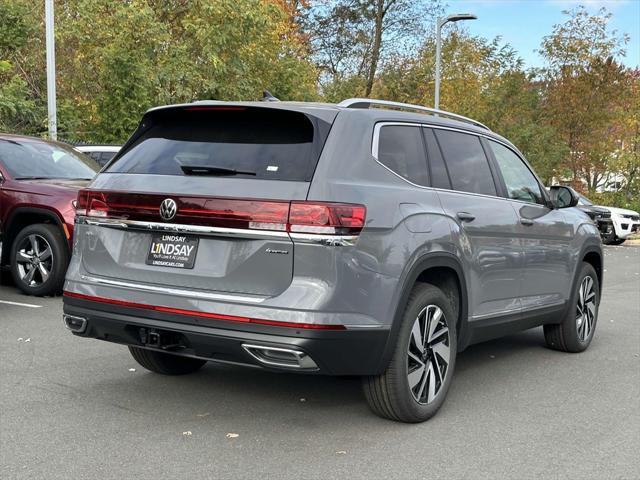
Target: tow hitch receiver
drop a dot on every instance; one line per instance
(157, 339)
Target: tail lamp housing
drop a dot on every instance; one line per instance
(303, 217)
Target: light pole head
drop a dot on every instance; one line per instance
(456, 17)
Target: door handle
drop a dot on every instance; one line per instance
(465, 217)
(526, 221)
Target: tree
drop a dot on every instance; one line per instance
(117, 59)
(585, 91)
(352, 38)
(18, 110)
(484, 80)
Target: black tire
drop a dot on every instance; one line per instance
(389, 394)
(567, 335)
(165, 363)
(614, 241)
(48, 235)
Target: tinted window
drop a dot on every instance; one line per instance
(401, 149)
(106, 156)
(520, 182)
(255, 142)
(467, 164)
(27, 158)
(437, 168)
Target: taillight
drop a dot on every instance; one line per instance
(81, 202)
(326, 218)
(320, 218)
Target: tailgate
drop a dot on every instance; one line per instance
(199, 198)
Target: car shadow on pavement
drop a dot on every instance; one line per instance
(235, 392)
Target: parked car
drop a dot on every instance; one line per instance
(600, 216)
(100, 153)
(365, 238)
(39, 183)
(625, 222)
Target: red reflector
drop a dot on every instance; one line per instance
(195, 313)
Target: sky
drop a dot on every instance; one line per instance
(523, 23)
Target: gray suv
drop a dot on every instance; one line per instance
(366, 238)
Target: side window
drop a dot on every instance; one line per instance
(520, 182)
(467, 164)
(437, 168)
(401, 149)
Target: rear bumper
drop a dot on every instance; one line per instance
(340, 352)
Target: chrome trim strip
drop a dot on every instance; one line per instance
(181, 228)
(175, 291)
(325, 240)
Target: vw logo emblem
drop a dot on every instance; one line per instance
(168, 209)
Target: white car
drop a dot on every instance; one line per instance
(100, 153)
(625, 222)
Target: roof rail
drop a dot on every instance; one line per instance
(368, 102)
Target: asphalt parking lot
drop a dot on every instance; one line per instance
(75, 408)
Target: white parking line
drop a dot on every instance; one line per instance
(17, 304)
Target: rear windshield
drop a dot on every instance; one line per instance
(259, 143)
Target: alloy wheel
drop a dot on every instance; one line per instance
(34, 260)
(428, 354)
(586, 309)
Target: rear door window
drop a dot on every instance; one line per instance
(259, 143)
(401, 150)
(466, 162)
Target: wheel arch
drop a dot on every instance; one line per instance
(19, 218)
(592, 254)
(441, 269)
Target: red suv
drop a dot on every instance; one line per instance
(39, 182)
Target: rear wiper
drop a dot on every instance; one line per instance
(214, 171)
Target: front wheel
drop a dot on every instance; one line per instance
(39, 259)
(415, 384)
(614, 241)
(575, 332)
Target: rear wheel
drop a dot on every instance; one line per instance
(576, 331)
(165, 363)
(415, 384)
(39, 259)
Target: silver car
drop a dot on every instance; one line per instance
(365, 238)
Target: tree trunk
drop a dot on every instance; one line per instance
(375, 52)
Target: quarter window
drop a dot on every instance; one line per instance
(467, 164)
(401, 149)
(520, 182)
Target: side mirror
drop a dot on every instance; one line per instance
(563, 197)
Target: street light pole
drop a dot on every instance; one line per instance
(441, 22)
(51, 70)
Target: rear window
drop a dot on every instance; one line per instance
(259, 143)
(401, 149)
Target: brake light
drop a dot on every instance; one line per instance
(274, 215)
(326, 218)
(81, 202)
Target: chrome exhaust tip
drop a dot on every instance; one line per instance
(280, 357)
(75, 324)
